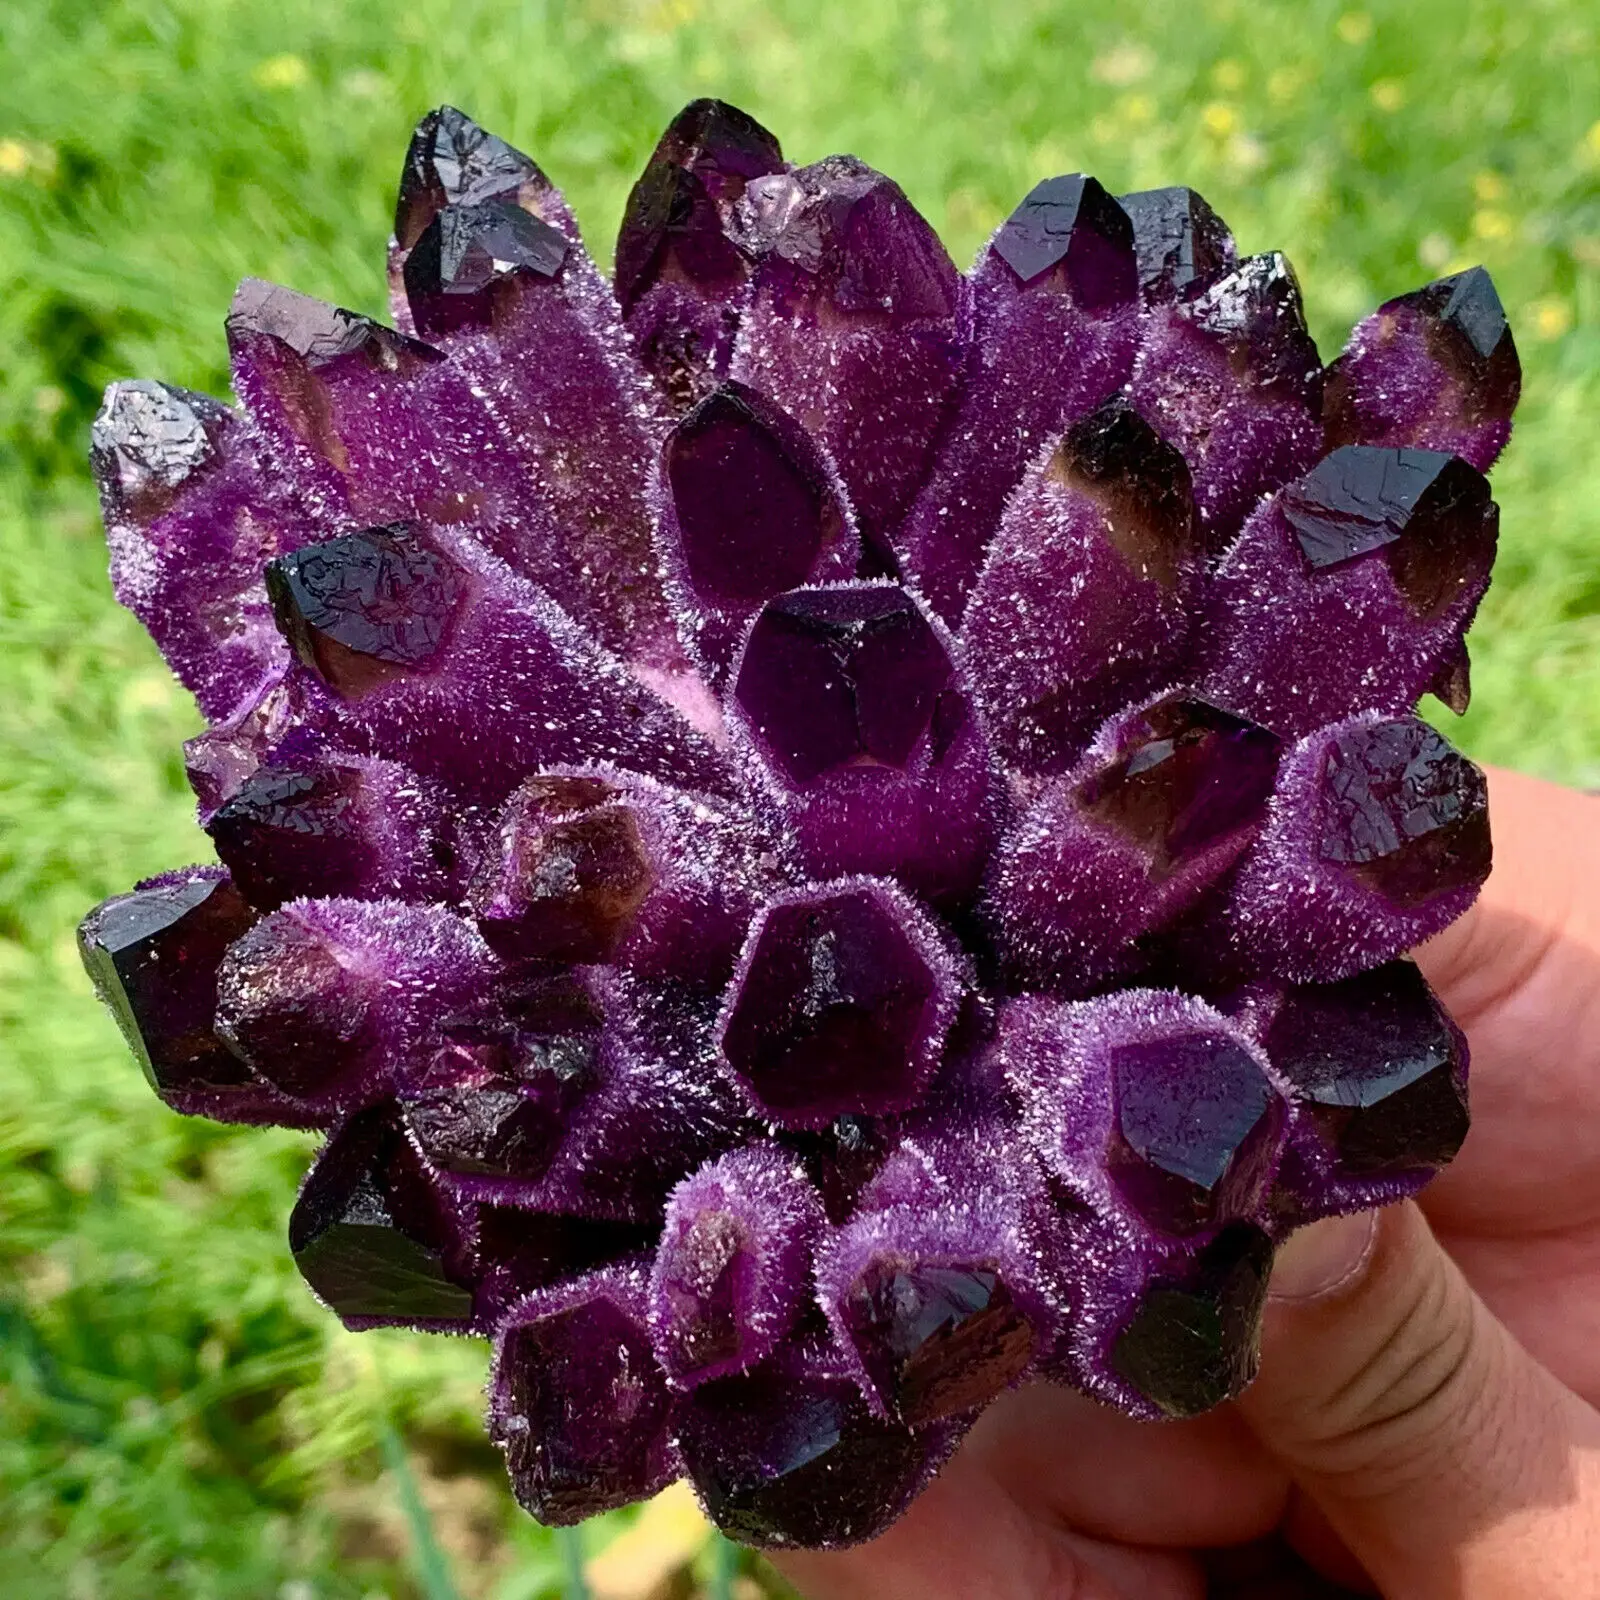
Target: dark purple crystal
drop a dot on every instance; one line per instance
(1404, 813)
(1194, 1342)
(1179, 240)
(1377, 1067)
(452, 161)
(836, 1011)
(451, 272)
(365, 608)
(841, 677)
(1195, 1121)
(376, 1237)
(1072, 226)
(783, 1461)
(938, 1340)
(577, 1401)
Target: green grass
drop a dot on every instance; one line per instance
(179, 1419)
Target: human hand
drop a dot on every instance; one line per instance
(1430, 1411)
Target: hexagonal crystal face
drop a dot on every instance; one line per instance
(366, 608)
(753, 505)
(841, 677)
(582, 1410)
(1178, 238)
(1195, 1131)
(1185, 776)
(937, 1339)
(1072, 225)
(1403, 813)
(832, 1014)
(1377, 1067)
(1193, 1342)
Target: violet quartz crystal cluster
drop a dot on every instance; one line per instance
(822, 836)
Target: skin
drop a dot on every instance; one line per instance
(1424, 1423)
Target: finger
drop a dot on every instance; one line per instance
(966, 1538)
(1521, 974)
(1173, 1484)
(1447, 1460)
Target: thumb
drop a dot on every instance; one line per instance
(1448, 1460)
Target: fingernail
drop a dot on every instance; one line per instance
(1323, 1257)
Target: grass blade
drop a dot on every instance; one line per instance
(571, 1542)
(427, 1557)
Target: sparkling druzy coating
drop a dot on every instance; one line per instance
(823, 836)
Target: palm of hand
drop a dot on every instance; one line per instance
(1052, 1496)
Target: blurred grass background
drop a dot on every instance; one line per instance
(178, 1418)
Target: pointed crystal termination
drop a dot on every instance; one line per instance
(1352, 587)
(1084, 602)
(1056, 327)
(1147, 1104)
(534, 333)
(733, 1266)
(372, 425)
(1165, 802)
(496, 1099)
(577, 1402)
(332, 1001)
(465, 254)
(452, 161)
(787, 1456)
(750, 508)
(1435, 369)
(333, 826)
(857, 326)
(608, 866)
(935, 1288)
(189, 518)
(1232, 378)
(418, 648)
(1156, 1121)
(1377, 1077)
(153, 956)
(1377, 838)
(1181, 243)
(841, 1005)
(1193, 1340)
(377, 1238)
(680, 273)
(848, 705)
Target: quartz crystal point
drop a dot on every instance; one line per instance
(1435, 369)
(840, 1006)
(1230, 376)
(377, 1237)
(822, 836)
(733, 1266)
(334, 825)
(1351, 587)
(1180, 242)
(1376, 839)
(330, 1001)
(789, 1455)
(1087, 595)
(750, 508)
(1162, 806)
(857, 325)
(936, 1289)
(1056, 325)
(413, 646)
(682, 267)
(577, 1401)
(1161, 1125)
(863, 740)
(153, 957)
(191, 515)
(1376, 1077)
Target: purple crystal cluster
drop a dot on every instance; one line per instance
(822, 836)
